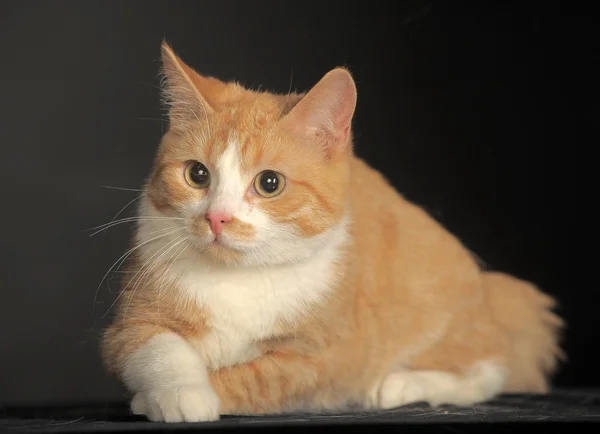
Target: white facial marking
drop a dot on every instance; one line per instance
(273, 243)
(228, 196)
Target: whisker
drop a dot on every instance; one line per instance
(121, 188)
(131, 280)
(163, 229)
(150, 259)
(122, 259)
(128, 203)
(125, 219)
(110, 224)
(150, 234)
(179, 240)
(171, 261)
(149, 217)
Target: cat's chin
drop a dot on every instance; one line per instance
(220, 251)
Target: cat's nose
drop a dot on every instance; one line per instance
(216, 220)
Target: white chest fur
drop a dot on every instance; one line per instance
(245, 304)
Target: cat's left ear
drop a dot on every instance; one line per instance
(185, 91)
(325, 114)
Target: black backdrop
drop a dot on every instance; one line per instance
(474, 110)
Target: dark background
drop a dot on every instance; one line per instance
(475, 110)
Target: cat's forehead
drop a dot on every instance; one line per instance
(253, 144)
(247, 127)
(248, 110)
(246, 122)
(242, 120)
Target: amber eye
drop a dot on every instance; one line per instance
(269, 183)
(197, 175)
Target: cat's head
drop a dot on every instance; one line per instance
(248, 177)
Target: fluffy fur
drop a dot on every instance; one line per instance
(333, 294)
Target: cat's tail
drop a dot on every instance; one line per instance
(525, 314)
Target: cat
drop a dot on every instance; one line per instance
(274, 271)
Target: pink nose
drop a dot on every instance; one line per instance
(216, 220)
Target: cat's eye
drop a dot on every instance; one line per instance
(269, 183)
(197, 175)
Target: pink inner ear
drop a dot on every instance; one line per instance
(345, 114)
(186, 102)
(327, 110)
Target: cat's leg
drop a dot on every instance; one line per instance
(467, 365)
(479, 384)
(167, 376)
(269, 384)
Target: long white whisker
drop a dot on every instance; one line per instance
(171, 261)
(141, 217)
(148, 269)
(134, 276)
(150, 259)
(128, 203)
(122, 259)
(121, 188)
(164, 229)
(128, 220)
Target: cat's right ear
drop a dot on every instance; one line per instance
(324, 115)
(180, 87)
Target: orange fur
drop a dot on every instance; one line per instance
(407, 296)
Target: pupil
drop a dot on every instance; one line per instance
(199, 173)
(269, 182)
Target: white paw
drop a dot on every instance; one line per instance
(402, 388)
(191, 403)
(399, 389)
(438, 387)
(482, 383)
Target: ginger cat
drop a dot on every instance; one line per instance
(274, 271)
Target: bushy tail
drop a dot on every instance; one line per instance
(525, 314)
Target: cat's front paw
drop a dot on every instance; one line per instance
(191, 403)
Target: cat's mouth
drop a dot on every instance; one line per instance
(223, 251)
(221, 241)
(218, 240)
(220, 245)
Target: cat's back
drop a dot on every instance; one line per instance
(370, 188)
(398, 244)
(378, 208)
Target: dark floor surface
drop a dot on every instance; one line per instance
(565, 410)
